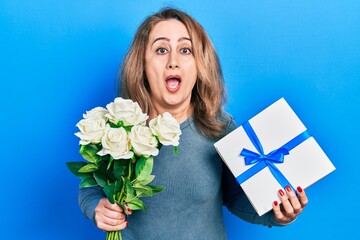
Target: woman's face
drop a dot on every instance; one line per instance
(170, 66)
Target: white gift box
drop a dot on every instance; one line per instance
(275, 126)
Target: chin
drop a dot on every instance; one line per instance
(172, 102)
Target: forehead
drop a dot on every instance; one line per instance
(169, 28)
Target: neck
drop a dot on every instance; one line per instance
(180, 113)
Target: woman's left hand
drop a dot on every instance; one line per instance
(292, 205)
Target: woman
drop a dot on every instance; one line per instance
(172, 66)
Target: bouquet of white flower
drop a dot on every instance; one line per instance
(119, 150)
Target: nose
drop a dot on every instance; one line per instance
(173, 61)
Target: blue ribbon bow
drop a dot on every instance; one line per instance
(262, 160)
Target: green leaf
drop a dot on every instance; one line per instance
(121, 168)
(156, 189)
(110, 162)
(143, 191)
(147, 180)
(118, 186)
(130, 192)
(176, 150)
(104, 173)
(127, 128)
(74, 168)
(120, 172)
(120, 123)
(112, 125)
(90, 167)
(109, 192)
(99, 179)
(88, 182)
(136, 204)
(143, 168)
(89, 152)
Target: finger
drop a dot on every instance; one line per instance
(105, 218)
(113, 214)
(293, 200)
(127, 209)
(106, 210)
(279, 216)
(302, 197)
(108, 227)
(289, 210)
(111, 206)
(111, 221)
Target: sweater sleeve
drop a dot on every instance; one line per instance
(88, 199)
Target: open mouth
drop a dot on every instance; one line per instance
(173, 82)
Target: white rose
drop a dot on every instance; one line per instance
(143, 141)
(166, 128)
(116, 143)
(98, 112)
(127, 111)
(91, 130)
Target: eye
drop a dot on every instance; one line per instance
(161, 50)
(186, 51)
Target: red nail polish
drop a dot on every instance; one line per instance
(276, 203)
(281, 192)
(299, 189)
(127, 223)
(288, 188)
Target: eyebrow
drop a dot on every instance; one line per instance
(168, 39)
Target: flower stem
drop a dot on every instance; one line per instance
(114, 235)
(130, 169)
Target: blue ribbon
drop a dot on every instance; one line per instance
(262, 160)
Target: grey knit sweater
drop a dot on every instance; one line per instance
(197, 185)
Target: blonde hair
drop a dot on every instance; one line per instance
(208, 95)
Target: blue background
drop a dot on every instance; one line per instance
(60, 58)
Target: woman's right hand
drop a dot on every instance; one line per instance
(110, 217)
